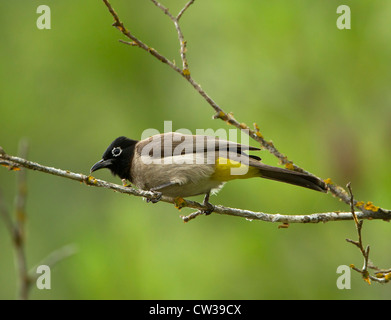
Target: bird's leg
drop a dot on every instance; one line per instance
(156, 197)
(207, 204)
(157, 194)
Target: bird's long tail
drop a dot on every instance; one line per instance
(224, 172)
(289, 176)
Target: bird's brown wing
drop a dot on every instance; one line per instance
(175, 144)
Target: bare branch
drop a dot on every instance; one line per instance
(164, 9)
(184, 9)
(120, 26)
(191, 216)
(182, 42)
(382, 276)
(249, 215)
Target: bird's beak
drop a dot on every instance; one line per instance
(101, 164)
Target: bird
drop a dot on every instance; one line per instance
(181, 165)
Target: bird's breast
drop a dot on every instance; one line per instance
(189, 176)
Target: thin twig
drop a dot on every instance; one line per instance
(352, 204)
(182, 42)
(120, 26)
(184, 9)
(191, 216)
(164, 9)
(381, 277)
(181, 38)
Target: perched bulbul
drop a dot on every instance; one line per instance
(179, 165)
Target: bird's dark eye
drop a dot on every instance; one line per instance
(116, 151)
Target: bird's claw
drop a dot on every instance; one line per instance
(156, 197)
(209, 210)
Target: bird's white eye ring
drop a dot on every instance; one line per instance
(116, 151)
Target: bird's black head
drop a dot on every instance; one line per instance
(118, 157)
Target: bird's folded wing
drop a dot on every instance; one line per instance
(175, 144)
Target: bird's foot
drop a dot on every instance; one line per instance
(156, 197)
(210, 208)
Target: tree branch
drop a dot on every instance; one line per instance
(382, 276)
(13, 161)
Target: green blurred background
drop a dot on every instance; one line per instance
(321, 94)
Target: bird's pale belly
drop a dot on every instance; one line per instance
(185, 181)
(192, 188)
